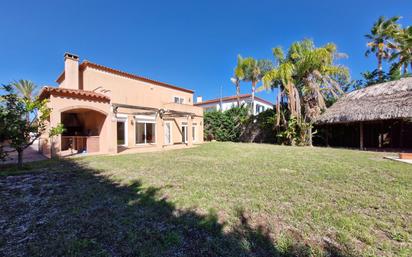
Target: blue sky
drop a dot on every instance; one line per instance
(193, 44)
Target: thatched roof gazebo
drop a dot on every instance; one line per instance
(379, 116)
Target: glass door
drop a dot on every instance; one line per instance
(184, 133)
(121, 133)
(168, 133)
(145, 133)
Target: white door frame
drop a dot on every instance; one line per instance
(145, 132)
(123, 118)
(185, 135)
(170, 133)
(194, 135)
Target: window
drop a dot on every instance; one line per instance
(178, 100)
(210, 109)
(259, 108)
(184, 132)
(121, 130)
(145, 132)
(194, 133)
(121, 137)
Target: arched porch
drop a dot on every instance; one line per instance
(83, 130)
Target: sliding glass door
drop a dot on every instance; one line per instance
(184, 133)
(122, 131)
(145, 132)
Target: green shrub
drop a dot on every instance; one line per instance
(237, 125)
(225, 126)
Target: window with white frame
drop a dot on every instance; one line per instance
(194, 136)
(259, 108)
(122, 131)
(184, 132)
(145, 130)
(178, 100)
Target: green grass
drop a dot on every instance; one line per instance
(218, 199)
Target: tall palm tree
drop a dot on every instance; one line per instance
(253, 71)
(26, 88)
(318, 76)
(403, 49)
(379, 39)
(281, 78)
(307, 75)
(238, 75)
(252, 74)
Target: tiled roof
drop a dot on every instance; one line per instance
(230, 98)
(47, 91)
(125, 74)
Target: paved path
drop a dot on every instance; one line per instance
(30, 154)
(399, 160)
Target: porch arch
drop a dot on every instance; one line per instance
(73, 107)
(84, 129)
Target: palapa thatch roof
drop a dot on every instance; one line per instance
(389, 100)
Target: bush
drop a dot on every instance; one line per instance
(225, 126)
(237, 125)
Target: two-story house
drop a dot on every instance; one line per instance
(105, 110)
(228, 102)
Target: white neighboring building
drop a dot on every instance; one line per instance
(225, 103)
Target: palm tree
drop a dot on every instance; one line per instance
(26, 88)
(253, 71)
(307, 75)
(281, 78)
(238, 75)
(403, 50)
(318, 77)
(252, 74)
(380, 39)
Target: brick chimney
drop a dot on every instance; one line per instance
(71, 71)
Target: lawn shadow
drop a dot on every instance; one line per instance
(79, 212)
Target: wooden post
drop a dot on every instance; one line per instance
(361, 135)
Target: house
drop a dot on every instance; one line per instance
(378, 116)
(225, 103)
(105, 110)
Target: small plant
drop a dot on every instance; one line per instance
(55, 131)
(296, 132)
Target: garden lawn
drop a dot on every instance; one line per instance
(217, 199)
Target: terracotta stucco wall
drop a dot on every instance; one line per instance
(61, 104)
(124, 90)
(160, 128)
(131, 91)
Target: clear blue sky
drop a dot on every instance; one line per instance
(188, 43)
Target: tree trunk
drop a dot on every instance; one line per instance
(405, 69)
(291, 102)
(238, 94)
(380, 66)
(310, 135)
(278, 107)
(20, 158)
(253, 97)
